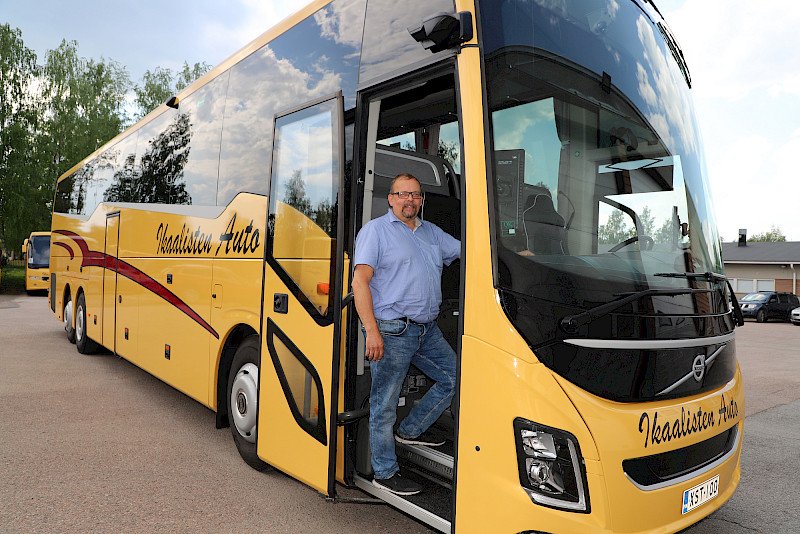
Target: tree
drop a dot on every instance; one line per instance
(84, 107)
(615, 230)
(20, 184)
(774, 234)
(294, 193)
(189, 74)
(161, 84)
(155, 89)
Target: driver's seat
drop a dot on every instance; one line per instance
(544, 227)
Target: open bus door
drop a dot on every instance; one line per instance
(302, 299)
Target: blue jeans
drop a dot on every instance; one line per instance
(403, 344)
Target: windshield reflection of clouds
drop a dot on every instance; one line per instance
(663, 89)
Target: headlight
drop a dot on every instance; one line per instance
(551, 468)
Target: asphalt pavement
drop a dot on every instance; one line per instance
(94, 444)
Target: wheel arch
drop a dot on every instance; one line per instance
(234, 338)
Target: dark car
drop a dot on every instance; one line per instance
(766, 305)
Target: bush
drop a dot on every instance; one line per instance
(12, 279)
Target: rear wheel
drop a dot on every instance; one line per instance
(68, 320)
(761, 316)
(243, 401)
(82, 341)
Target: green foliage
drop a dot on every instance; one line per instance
(12, 279)
(20, 182)
(615, 230)
(774, 234)
(84, 105)
(55, 114)
(161, 84)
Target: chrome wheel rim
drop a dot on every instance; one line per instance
(68, 316)
(244, 402)
(79, 323)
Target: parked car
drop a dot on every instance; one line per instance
(766, 305)
(795, 318)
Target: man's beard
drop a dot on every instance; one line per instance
(409, 210)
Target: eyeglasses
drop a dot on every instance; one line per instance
(416, 195)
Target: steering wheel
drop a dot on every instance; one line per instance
(646, 243)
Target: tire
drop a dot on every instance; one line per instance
(82, 341)
(68, 310)
(242, 401)
(761, 316)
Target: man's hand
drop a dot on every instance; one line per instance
(374, 350)
(362, 297)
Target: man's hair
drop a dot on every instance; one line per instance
(404, 176)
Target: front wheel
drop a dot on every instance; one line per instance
(68, 320)
(82, 341)
(243, 401)
(761, 316)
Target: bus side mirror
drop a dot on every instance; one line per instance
(443, 30)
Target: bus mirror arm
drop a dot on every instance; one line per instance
(443, 30)
(737, 309)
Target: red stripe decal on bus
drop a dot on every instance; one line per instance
(93, 258)
(69, 248)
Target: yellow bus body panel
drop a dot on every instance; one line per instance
(624, 431)
(171, 263)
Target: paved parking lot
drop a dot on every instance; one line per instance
(94, 444)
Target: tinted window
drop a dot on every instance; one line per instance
(317, 57)
(204, 109)
(71, 191)
(387, 44)
(153, 155)
(122, 157)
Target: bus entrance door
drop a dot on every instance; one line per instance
(108, 317)
(301, 328)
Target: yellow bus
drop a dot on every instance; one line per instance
(598, 386)
(36, 251)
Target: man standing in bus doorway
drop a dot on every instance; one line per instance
(397, 292)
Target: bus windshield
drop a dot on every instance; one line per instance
(599, 178)
(39, 252)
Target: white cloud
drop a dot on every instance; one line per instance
(221, 38)
(746, 88)
(731, 45)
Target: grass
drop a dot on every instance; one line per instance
(12, 280)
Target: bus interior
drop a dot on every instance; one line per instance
(415, 131)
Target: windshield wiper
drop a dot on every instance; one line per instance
(713, 277)
(571, 323)
(708, 276)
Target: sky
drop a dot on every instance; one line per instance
(742, 55)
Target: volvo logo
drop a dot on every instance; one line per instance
(699, 367)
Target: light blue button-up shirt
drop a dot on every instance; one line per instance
(408, 266)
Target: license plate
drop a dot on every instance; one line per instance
(700, 494)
